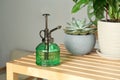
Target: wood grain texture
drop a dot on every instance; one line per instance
(87, 67)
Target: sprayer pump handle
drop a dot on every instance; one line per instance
(46, 14)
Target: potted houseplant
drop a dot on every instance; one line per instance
(108, 24)
(79, 38)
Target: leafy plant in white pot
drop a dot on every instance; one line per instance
(109, 29)
(79, 38)
(108, 14)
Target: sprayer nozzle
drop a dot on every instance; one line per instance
(55, 29)
(59, 27)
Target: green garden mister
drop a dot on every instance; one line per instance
(47, 52)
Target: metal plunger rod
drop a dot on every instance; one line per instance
(46, 25)
(46, 20)
(46, 56)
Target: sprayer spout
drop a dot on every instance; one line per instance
(58, 27)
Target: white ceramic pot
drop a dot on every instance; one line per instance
(109, 39)
(79, 44)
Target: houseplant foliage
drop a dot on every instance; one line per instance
(108, 14)
(79, 27)
(97, 8)
(79, 38)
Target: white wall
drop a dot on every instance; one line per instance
(21, 21)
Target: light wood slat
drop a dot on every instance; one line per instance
(93, 55)
(105, 68)
(109, 73)
(84, 64)
(81, 64)
(79, 69)
(88, 57)
(93, 65)
(82, 61)
(114, 64)
(33, 63)
(88, 67)
(65, 71)
(85, 60)
(90, 73)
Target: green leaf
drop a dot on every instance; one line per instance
(75, 1)
(99, 8)
(80, 4)
(113, 10)
(91, 14)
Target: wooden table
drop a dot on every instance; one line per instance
(87, 67)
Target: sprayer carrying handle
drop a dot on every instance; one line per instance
(40, 33)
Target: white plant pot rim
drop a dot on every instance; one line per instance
(104, 21)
